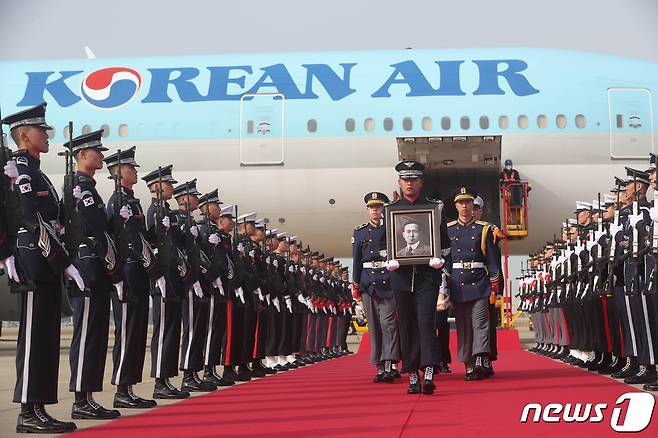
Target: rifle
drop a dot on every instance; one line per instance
(12, 214)
(653, 290)
(635, 260)
(164, 249)
(70, 205)
(613, 247)
(119, 224)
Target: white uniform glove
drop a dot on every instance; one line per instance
(653, 214)
(301, 299)
(218, 285)
(289, 304)
(322, 280)
(77, 193)
(166, 222)
(275, 301)
(9, 264)
(125, 213)
(392, 265)
(73, 274)
(436, 263)
(197, 289)
(260, 294)
(194, 230)
(240, 294)
(213, 239)
(267, 298)
(161, 283)
(11, 171)
(119, 287)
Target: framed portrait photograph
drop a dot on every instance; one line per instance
(412, 233)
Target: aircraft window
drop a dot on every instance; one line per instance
(465, 122)
(250, 126)
(388, 124)
(312, 125)
(522, 121)
(445, 123)
(581, 122)
(503, 122)
(369, 124)
(542, 121)
(350, 125)
(123, 130)
(86, 129)
(484, 122)
(407, 124)
(426, 123)
(106, 130)
(561, 121)
(66, 133)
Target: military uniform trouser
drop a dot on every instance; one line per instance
(418, 345)
(194, 315)
(622, 305)
(233, 339)
(216, 331)
(273, 320)
(261, 335)
(493, 332)
(560, 334)
(91, 325)
(37, 352)
(165, 343)
(644, 322)
(321, 325)
(382, 327)
(443, 336)
(285, 334)
(472, 320)
(249, 322)
(130, 327)
(298, 319)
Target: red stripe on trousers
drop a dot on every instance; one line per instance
(331, 320)
(256, 337)
(229, 326)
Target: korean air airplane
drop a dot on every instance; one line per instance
(301, 137)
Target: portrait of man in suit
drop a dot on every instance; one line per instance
(416, 237)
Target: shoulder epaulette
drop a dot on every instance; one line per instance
(21, 160)
(450, 224)
(361, 226)
(484, 223)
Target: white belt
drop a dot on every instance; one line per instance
(468, 265)
(374, 265)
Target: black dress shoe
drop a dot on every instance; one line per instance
(396, 374)
(646, 374)
(243, 376)
(34, 419)
(630, 368)
(388, 377)
(165, 390)
(192, 383)
(270, 371)
(210, 376)
(428, 387)
(489, 372)
(414, 388)
(257, 369)
(86, 408)
(229, 373)
(125, 401)
(378, 378)
(478, 367)
(444, 368)
(280, 367)
(292, 366)
(470, 376)
(299, 363)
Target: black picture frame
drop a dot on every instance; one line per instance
(400, 220)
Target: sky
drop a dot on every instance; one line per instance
(49, 29)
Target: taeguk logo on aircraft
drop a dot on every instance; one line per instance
(110, 87)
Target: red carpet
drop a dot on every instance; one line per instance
(337, 398)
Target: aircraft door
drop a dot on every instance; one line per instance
(631, 122)
(261, 129)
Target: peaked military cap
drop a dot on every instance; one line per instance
(127, 157)
(280, 235)
(636, 175)
(596, 205)
(35, 116)
(653, 161)
(164, 172)
(228, 211)
(375, 198)
(609, 199)
(87, 141)
(479, 201)
(582, 205)
(462, 193)
(210, 198)
(271, 232)
(187, 188)
(409, 169)
(260, 224)
(247, 218)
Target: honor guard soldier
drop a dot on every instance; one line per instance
(371, 283)
(209, 204)
(416, 289)
(472, 275)
(32, 245)
(128, 222)
(194, 306)
(167, 295)
(95, 256)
